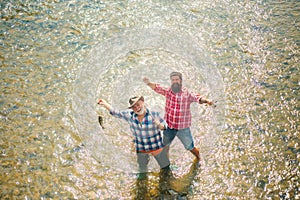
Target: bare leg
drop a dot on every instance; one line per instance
(196, 153)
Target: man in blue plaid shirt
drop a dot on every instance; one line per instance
(146, 127)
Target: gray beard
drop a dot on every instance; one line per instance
(176, 87)
(140, 112)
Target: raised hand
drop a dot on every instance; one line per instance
(146, 80)
(101, 102)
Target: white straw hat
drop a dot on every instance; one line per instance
(133, 100)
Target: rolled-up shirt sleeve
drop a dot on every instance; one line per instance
(160, 90)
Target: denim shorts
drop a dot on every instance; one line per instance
(184, 135)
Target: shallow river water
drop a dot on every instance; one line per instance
(58, 57)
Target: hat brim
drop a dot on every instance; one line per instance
(133, 103)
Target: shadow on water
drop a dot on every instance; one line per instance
(165, 185)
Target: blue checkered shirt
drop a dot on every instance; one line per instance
(147, 136)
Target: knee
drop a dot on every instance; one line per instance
(190, 147)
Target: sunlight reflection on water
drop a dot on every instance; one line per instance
(253, 44)
(126, 81)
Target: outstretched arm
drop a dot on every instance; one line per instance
(146, 80)
(105, 104)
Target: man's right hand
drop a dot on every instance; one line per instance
(104, 103)
(146, 80)
(101, 101)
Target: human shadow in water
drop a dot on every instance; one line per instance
(167, 187)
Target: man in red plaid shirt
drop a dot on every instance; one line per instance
(177, 111)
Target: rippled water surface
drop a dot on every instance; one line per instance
(58, 57)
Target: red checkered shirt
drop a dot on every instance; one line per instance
(177, 109)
